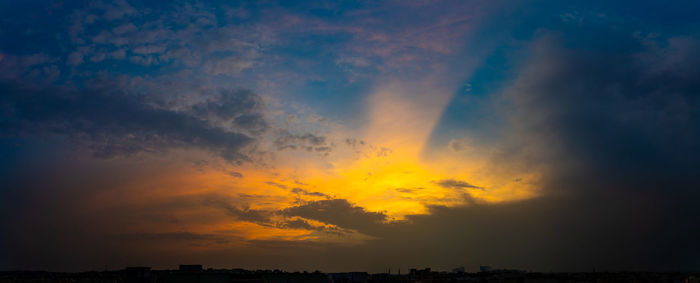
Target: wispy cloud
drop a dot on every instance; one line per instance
(456, 184)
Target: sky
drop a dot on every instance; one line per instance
(350, 135)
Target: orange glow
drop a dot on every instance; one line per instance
(386, 174)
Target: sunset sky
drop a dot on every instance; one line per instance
(351, 135)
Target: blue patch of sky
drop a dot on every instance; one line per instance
(470, 112)
(32, 27)
(327, 87)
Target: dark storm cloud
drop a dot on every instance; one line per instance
(339, 212)
(456, 184)
(242, 214)
(629, 117)
(338, 216)
(619, 134)
(112, 122)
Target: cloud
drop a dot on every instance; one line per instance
(281, 186)
(305, 225)
(629, 117)
(338, 216)
(230, 104)
(262, 217)
(36, 67)
(297, 224)
(75, 58)
(456, 184)
(458, 145)
(338, 212)
(235, 174)
(308, 193)
(407, 190)
(617, 131)
(614, 121)
(308, 142)
(305, 138)
(254, 122)
(354, 142)
(229, 66)
(112, 122)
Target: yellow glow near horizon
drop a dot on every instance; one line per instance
(386, 174)
(389, 175)
(398, 181)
